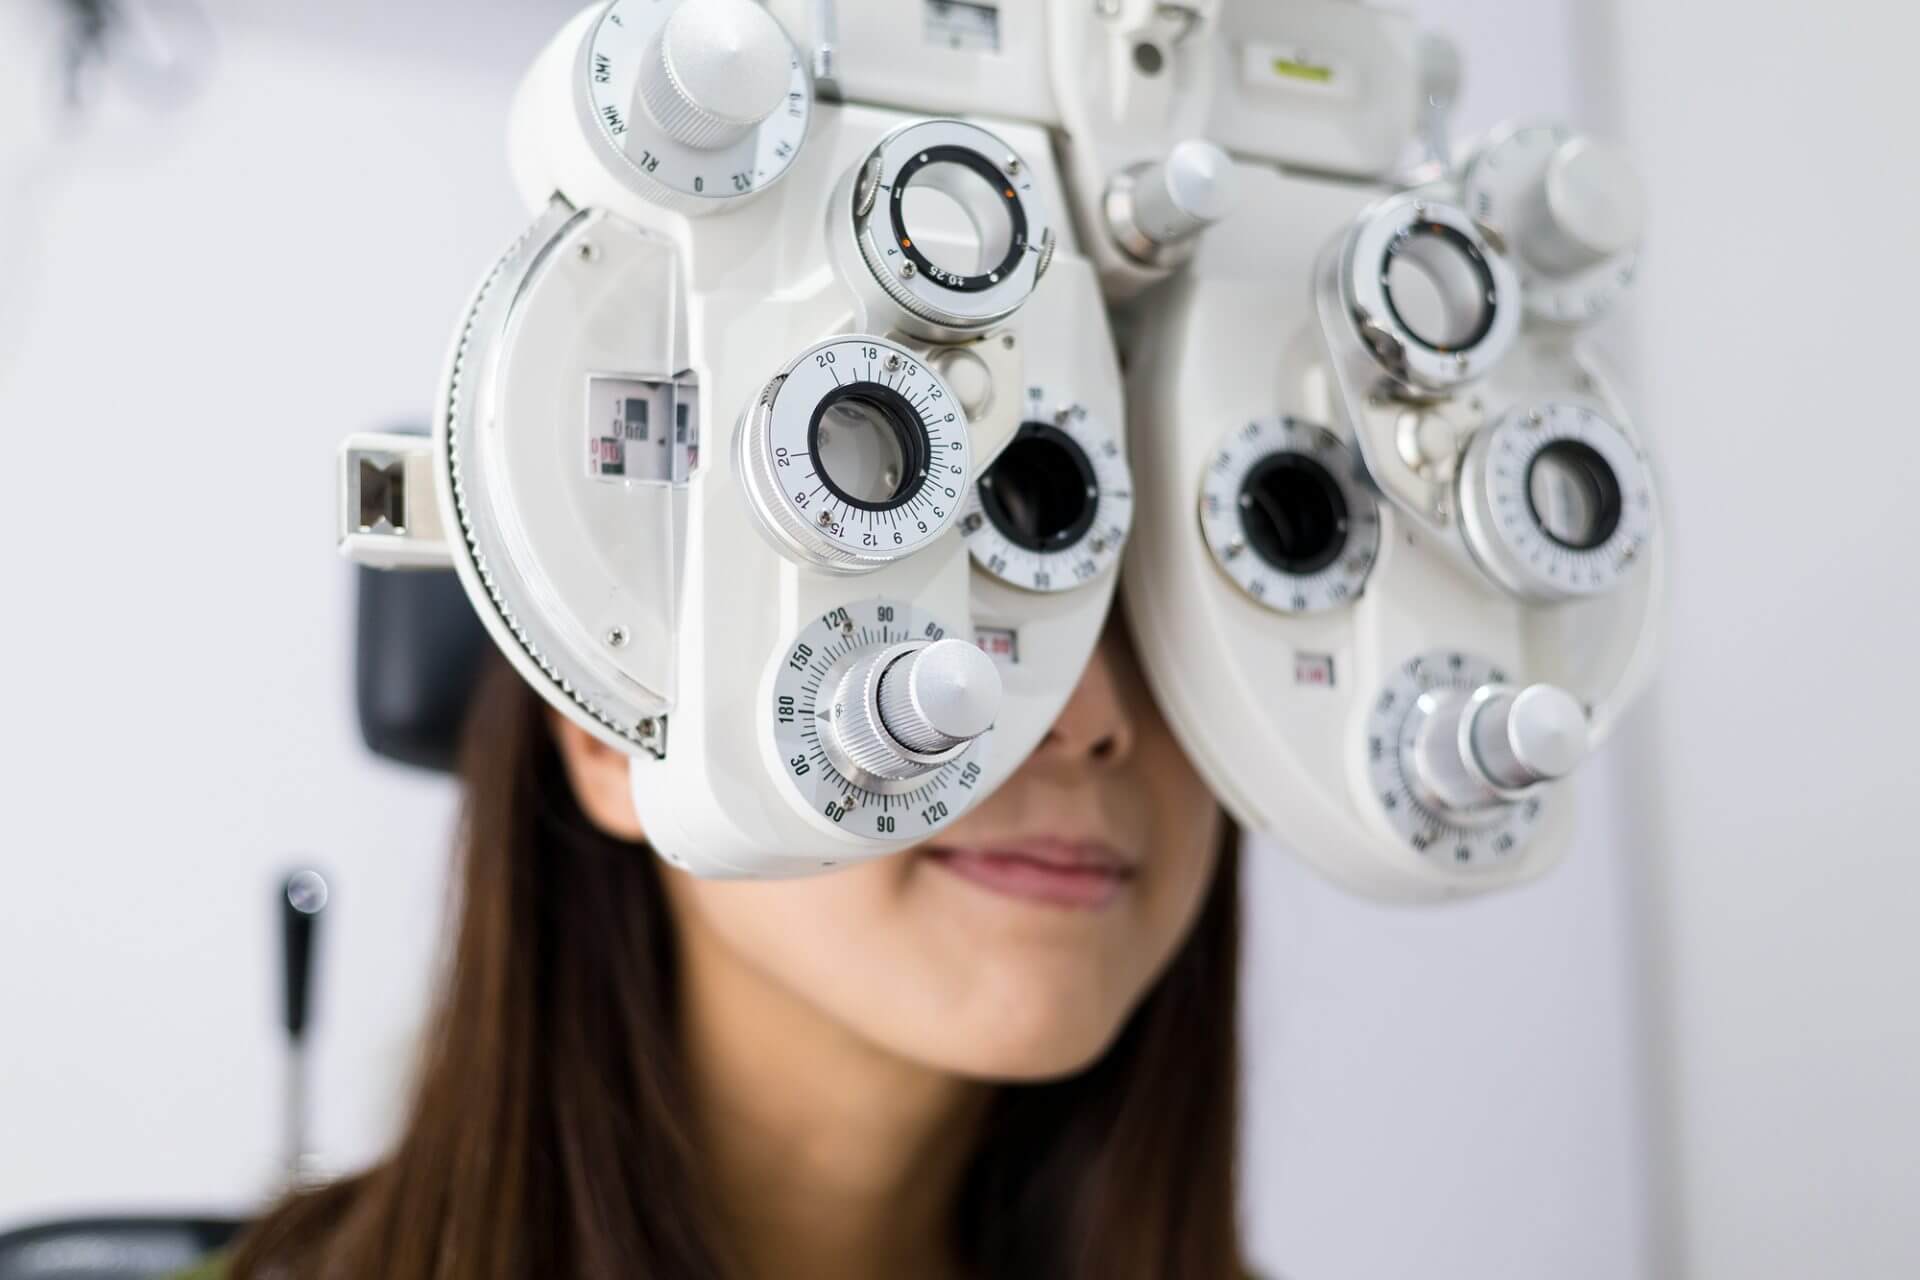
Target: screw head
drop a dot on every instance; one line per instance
(893, 361)
(826, 520)
(617, 637)
(908, 270)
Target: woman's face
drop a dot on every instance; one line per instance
(1014, 945)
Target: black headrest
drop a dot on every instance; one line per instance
(112, 1248)
(420, 650)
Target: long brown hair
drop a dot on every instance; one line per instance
(549, 1132)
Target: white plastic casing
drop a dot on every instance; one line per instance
(756, 287)
(1274, 709)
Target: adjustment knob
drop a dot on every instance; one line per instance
(715, 70)
(1472, 752)
(1587, 207)
(1156, 210)
(904, 711)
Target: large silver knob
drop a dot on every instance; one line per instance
(904, 711)
(1587, 207)
(716, 69)
(1156, 210)
(1474, 752)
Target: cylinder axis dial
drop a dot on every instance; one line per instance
(1286, 516)
(855, 456)
(949, 275)
(1053, 511)
(880, 720)
(694, 103)
(1572, 209)
(1556, 502)
(1455, 756)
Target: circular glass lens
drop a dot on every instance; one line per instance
(868, 446)
(1293, 514)
(1040, 492)
(1574, 494)
(1439, 287)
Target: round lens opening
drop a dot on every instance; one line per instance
(1040, 492)
(868, 445)
(958, 219)
(1293, 514)
(1439, 287)
(1574, 494)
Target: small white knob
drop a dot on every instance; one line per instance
(716, 69)
(1169, 202)
(945, 694)
(1536, 735)
(1473, 750)
(1589, 206)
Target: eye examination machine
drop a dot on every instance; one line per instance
(860, 357)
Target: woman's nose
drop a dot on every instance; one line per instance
(1096, 725)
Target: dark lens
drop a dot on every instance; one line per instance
(1574, 494)
(1040, 492)
(1293, 514)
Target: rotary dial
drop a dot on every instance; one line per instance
(1286, 516)
(694, 102)
(945, 277)
(1456, 756)
(1556, 502)
(855, 456)
(1053, 510)
(880, 720)
(1571, 207)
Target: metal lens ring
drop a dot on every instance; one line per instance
(1053, 511)
(855, 456)
(1556, 502)
(926, 191)
(1436, 304)
(1286, 517)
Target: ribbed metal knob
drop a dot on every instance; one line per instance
(901, 712)
(716, 69)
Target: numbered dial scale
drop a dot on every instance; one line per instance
(810, 710)
(694, 102)
(1054, 509)
(1392, 742)
(1287, 517)
(918, 267)
(1556, 502)
(855, 456)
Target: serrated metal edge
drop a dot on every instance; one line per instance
(456, 384)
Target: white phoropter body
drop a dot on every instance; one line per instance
(1395, 694)
(720, 411)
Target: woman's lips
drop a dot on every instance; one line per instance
(1061, 873)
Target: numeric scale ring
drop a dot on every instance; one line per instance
(802, 509)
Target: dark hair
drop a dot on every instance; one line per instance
(548, 1132)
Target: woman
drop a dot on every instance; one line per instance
(1009, 1053)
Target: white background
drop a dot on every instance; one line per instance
(194, 307)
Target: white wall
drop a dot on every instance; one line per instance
(1778, 762)
(193, 308)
